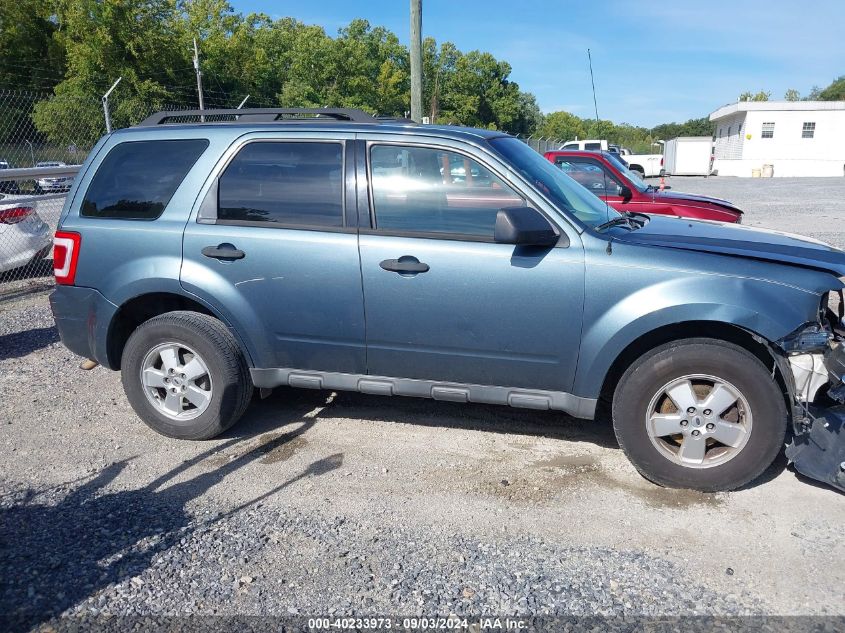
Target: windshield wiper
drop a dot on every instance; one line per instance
(621, 220)
(630, 219)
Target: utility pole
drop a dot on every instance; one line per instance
(199, 77)
(416, 60)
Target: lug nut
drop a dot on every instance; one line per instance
(706, 411)
(711, 426)
(684, 422)
(696, 432)
(691, 410)
(166, 379)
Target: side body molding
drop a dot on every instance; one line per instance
(449, 391)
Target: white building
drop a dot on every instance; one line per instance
(797, 138)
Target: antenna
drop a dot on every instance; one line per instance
(603, 172)
(593, 81)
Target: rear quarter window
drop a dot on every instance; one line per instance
(137, 179)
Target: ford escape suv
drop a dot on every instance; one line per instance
(327, 249)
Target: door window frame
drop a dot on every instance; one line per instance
(367, 213)
(208, 207)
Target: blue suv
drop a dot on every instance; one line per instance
(205, 254)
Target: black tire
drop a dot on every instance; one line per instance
(227, 369)
(644, 380)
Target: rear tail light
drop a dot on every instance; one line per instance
(65, 255)
(15, 215)
(661, 161)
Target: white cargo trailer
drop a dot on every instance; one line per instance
(688, 156)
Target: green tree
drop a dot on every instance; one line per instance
(564, 126)
(31, 57)
(759, 96)
(835, 91)
(792, 95)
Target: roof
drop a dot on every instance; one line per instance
(774, 106)
(310, 119)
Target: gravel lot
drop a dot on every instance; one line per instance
(320, 503)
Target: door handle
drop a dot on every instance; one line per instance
(224, 251)
(406, 264)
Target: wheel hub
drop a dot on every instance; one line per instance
(176, 381)
(699, 421)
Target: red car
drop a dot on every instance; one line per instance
(609, 179)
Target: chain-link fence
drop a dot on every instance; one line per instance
(43, 139)
(541, 144)
(38, 161)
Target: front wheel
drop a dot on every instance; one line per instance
(185, 376)
(701, 414)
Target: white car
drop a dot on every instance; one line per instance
(52, 183)
(24, 237)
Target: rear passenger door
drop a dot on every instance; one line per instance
(273, 246)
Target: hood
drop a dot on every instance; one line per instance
(738, 240)
(689, 197)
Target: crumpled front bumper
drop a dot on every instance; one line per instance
(818, 446)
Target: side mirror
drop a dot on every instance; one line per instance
(626, 193)
(524, 226)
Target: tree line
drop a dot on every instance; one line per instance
(75, 49)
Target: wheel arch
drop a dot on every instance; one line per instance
(668, 333)
(140, 308)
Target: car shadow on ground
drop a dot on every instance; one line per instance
(20, 344)
(285, 406)
(61, 546)
(265, 415)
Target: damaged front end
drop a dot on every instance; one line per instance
(815, 355)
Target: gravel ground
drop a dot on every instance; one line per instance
(348, 504)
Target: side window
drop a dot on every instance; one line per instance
(137, 179)
(594, 176)
(427, 190)
(287, 183)
(571, 146)
(592, 147)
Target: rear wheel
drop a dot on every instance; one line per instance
(701, 414)
(185, 376)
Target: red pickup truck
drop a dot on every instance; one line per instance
(608, 178)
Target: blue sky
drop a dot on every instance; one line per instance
(654, 62)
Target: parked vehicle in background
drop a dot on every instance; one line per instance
(606, 177)
(688, 156)
(205, 259)
(24, 237)
(52, 184)
(593, 145)
(7, 186)
(646, 165)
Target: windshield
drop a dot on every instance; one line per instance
(562, 190)
(634, 177)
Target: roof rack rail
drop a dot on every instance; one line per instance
(260, 115)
